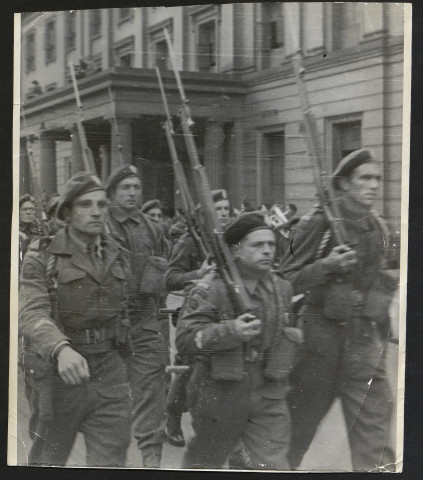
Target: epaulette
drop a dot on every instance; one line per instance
(312, 212)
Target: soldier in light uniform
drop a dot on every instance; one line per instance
(345, 319)
(146, 246)
(237, 390)
(73, 326)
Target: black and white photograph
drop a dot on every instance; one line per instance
(209, 237)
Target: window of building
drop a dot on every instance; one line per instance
(50, 41)
(346, 137)
(95, 23)
(206, 46)
(205, 23)
(70, 30)
(271, 30)
(161, 55)
(124, 52)
(346, 27)
(30, 53)
(272, 168)
(124, 14)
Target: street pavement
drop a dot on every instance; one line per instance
(328, 452)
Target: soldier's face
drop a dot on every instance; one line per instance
(156, 214)
(363, 185)
(257, 251)
(127, 194)
(87, 214)
(223, 210)
(27, 212)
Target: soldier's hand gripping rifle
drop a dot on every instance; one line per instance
(188, 205)
(220, 251)
(316, 154)
(87, 154)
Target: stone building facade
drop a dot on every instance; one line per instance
(236, 68)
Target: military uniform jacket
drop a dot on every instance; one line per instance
(186, 259)
(61, 305)
(206, 329)
(364, 292)
(147, 250)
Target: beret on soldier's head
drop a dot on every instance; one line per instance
(350, 163)
(243, 225)
(26, 198)
(219, 194)
(120, 174)
(151, 204)
(78, 185)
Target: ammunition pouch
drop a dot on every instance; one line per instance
(281, 358)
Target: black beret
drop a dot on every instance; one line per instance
(151, 204)
(243, 225)
(26, 198)
(218, 195)
(350, 163)
(120, 174)
(78, 185)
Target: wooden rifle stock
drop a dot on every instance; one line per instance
(188, 205)
(87, 154)
(316, 154)
(220, 250)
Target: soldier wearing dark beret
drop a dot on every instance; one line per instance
(147, 251)
(187, 265)
(345, 319)
(239, 381)
(73, 325)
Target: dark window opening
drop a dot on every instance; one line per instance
(30, 53)
(50, 41)
(273, 165)
(346, 137)
(206, 48)
(70, 29)
(95, 23)
(126, 60)
(161, 55)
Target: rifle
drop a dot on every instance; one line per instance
(220, 251)
(87, 154)
(37, 194)
(316, 154)
(188, 206)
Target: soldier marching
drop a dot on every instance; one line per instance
(256, 380)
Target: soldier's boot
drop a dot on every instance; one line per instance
(175, 435)
(152, 456)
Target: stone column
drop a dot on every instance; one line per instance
(77, 158)
(48, 174)
(235, 181)
(124, 139)
(213, 152)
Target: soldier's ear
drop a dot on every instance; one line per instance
(66, 214)
(344, 184)
(235, 249)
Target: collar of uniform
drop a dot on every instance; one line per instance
(266, 281)
(82, 245)
(121, 215)
(63, 240)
